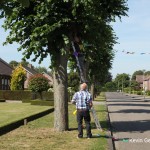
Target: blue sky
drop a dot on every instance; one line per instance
(133, 33)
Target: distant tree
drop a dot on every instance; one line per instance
(110, 86)
(122, 80)
(147, 73)
(24, 63)
(38, 83)
(139, 72)
(13, 63)
(41, 69)
(18, 78)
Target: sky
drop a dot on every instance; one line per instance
(133, 34)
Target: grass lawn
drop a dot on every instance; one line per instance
(11, 112)
(101, 97)
(40, 135)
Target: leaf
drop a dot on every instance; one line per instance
(25, 3)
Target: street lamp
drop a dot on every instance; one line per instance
(130, 83)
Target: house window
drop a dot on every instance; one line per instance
(6, 83)
(2, 81)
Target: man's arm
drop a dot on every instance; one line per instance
(73, 101)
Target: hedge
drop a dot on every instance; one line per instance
(24, 95)
(42, 102)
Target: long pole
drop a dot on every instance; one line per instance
(143, 86)
(78, 63)
(122, 85)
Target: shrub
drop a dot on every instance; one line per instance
(38, 83)
(24, 95)
(18, 78)
(139, 92)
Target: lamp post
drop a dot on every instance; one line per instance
(130, 84)
(122, 85)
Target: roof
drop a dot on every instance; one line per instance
(5, 68)
(141, 78)
(30, 70)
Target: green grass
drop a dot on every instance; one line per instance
(11, 112)
(40, 135)
(101, 97)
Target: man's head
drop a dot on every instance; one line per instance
(83, 86)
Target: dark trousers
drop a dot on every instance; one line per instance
(84, 114)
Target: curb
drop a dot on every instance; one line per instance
(14, 125)
(110, 133)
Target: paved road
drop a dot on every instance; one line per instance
(130, 119)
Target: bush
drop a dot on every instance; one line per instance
(148, 93)
(42, 102)
(38, 83)
(139, 92)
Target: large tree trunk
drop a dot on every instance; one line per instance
(92, 91)
(60, 93)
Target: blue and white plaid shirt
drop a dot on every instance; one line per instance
(82, 99)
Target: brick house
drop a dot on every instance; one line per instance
(144, 81)
(5, 75)
(29, 72)
(49, 77)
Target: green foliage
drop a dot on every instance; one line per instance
(13, 63)
(41, 69)
(38, 83)
(24, 95)
(73, 81)
(110, 86)
(18, 78)
(139, 72)
(43, 28)
(122, 79)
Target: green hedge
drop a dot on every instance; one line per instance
(24, 95)
(42, 102)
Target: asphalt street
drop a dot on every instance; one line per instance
(130, 121)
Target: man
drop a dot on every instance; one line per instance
(83, 101)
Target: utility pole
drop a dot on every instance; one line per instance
(122, 85)
(130, 84)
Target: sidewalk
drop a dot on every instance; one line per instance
(130, 120)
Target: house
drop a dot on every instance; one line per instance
(29, 72)
(144, 81)
(5, 75)
(49, 77)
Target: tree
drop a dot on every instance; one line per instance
(139, 72)
(46, 29)
(38, 83)
(122, 80)
(147, 73)
(18, 78)
(41, 69)
(110, 86)
(13, 63)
